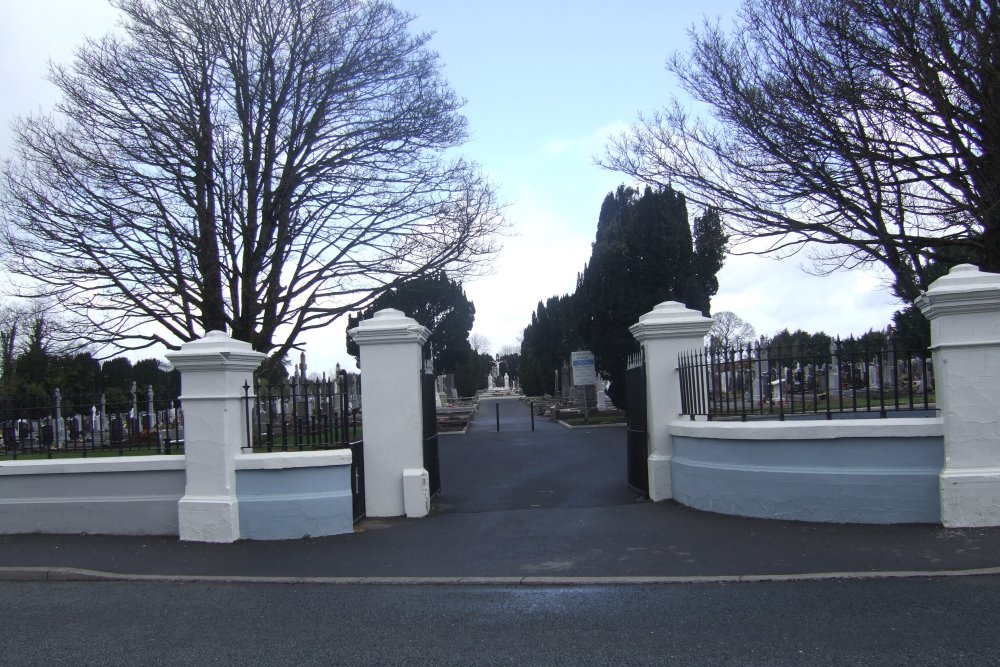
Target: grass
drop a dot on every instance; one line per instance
(806, 404)
(596, 419)
(63, 454)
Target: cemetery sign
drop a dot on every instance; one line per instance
(583, 368)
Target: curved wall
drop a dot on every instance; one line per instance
(852, 470)
(290, 495)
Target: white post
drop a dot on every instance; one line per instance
(964, 310)
(214, 371)
(664, 333)
(390, 344)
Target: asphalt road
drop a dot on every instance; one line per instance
(889, 622)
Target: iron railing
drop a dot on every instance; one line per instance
(774, 382)
(301, 415)
(82, 427)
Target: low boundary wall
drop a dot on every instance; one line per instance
(115, 495)
(878, 471)
(289, 495)
(284, 495)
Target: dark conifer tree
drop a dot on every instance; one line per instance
(438, 303)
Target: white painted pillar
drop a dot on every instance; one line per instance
(213, 372)
(664, 333)
(964, 310)
(391, 360)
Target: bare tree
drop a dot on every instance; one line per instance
(479, 343)
(35, 327)
(262, 166)
(730, 331)
(868, 130)
(509, 350)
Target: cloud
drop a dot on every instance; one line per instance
(777, 294)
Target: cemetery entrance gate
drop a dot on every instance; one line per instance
(637, 435)
(428, 388)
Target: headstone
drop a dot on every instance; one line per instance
(762, 373)
(48, 434)
(117, 430)
(917, 373)
(834, 367)
(873, 379)
(10, 435)
(602, 396)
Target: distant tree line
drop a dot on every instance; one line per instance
(33, 366)
(730, 332)
(646, 251)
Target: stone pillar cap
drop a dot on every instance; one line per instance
(389, 326)
(670, 319)
(965, 289)
(215, 348)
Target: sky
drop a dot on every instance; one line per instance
(546, 84)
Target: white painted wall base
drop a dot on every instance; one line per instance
(660, 484)
(970, 498)
(209, 519)
(416, 493)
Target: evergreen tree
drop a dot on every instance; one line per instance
(553, 334)
(436, 302)
(644, 253)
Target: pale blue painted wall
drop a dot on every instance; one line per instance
(291, 503)
(858, 480)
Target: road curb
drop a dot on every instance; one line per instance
(68, 574)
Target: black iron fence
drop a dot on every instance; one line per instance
(91, 426)
(775, 382)
(299, 416)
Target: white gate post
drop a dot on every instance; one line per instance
(214, 371)
(391, 360)
(964, 310)
(664, 333)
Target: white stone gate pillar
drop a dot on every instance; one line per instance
(664, 333)
(964, 310)
(391, 360)
(213, 372)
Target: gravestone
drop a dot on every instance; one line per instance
(873, 379)
(10, 435)
(117, 430)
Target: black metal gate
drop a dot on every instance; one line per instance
(358, 479)
(638, 438)
(431, 465)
